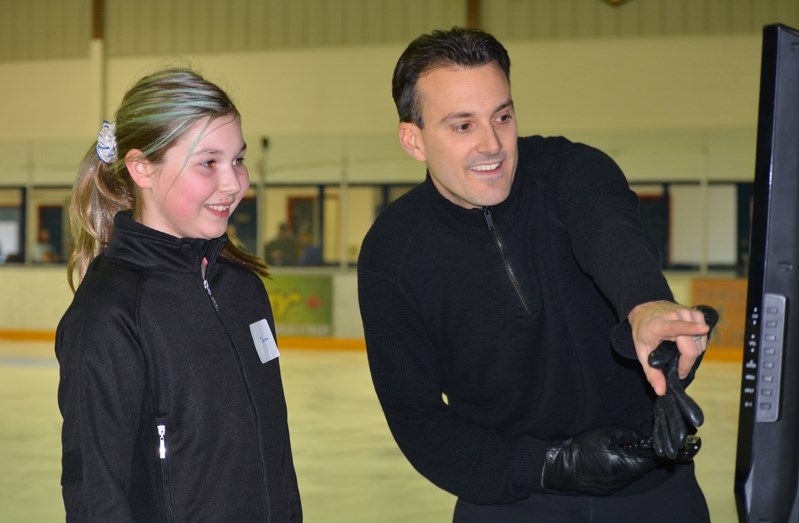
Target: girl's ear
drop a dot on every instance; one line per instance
(139, 168)
(411, 140)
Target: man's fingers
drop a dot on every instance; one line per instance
(686, 363)
(690, 350)
(655, 378)
(672, 330)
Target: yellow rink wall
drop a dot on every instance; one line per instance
(36, 297)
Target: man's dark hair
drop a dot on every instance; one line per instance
(458, 47)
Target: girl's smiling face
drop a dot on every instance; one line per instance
(199, 183)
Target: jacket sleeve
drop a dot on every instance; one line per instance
(100, 397)
(469, 461)
(600, 212)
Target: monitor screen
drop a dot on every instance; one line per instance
(767, 461)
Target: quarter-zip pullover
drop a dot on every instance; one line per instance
(488, 330)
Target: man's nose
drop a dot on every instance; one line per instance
(489, 141)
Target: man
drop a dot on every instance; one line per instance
(505, 301)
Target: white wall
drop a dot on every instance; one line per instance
(669, 97)
(666, 108)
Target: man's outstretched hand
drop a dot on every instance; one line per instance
(654, 322)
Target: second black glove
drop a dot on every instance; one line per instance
(593, 462)
(674, 408)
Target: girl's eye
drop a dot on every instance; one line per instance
(238, 161)
(209, 164)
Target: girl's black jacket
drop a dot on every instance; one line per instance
(169, 412)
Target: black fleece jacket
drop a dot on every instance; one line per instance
(169, 412)
(489, 330)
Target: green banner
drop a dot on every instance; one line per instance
(302, 304)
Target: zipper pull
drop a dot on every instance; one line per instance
(162, 441)
(489, 220)
(208, 290)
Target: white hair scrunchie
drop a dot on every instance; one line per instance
(107, 142)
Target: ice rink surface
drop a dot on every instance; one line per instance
(348, 466)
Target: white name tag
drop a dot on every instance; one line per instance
(264, 342)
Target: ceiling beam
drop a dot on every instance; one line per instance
(473, 14)
(98, 27)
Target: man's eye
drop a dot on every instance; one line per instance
(504, 118)
(462, 128)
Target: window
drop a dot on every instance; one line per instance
(12, 245)
(49, 235)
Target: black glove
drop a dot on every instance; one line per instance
(670, 430)
(593, 462)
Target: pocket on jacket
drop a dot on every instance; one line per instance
(71, 466)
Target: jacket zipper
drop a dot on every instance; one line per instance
(267, 501)
(165, 483)
(500, 242)
(210, 295)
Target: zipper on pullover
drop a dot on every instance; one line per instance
(165, 482)
(267, 499)
(500, 243)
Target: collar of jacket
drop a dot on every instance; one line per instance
(466, 220)
(140, 245)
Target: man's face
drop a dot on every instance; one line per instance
(469, 135)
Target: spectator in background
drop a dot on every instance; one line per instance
(43, 251)
(284, 248)
(310, 253)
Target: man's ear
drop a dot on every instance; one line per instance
(411, 139)
(139, 168)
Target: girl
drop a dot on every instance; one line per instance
(170, 385)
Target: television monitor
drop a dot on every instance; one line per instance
(767, 462)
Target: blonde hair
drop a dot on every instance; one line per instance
(153, 116)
